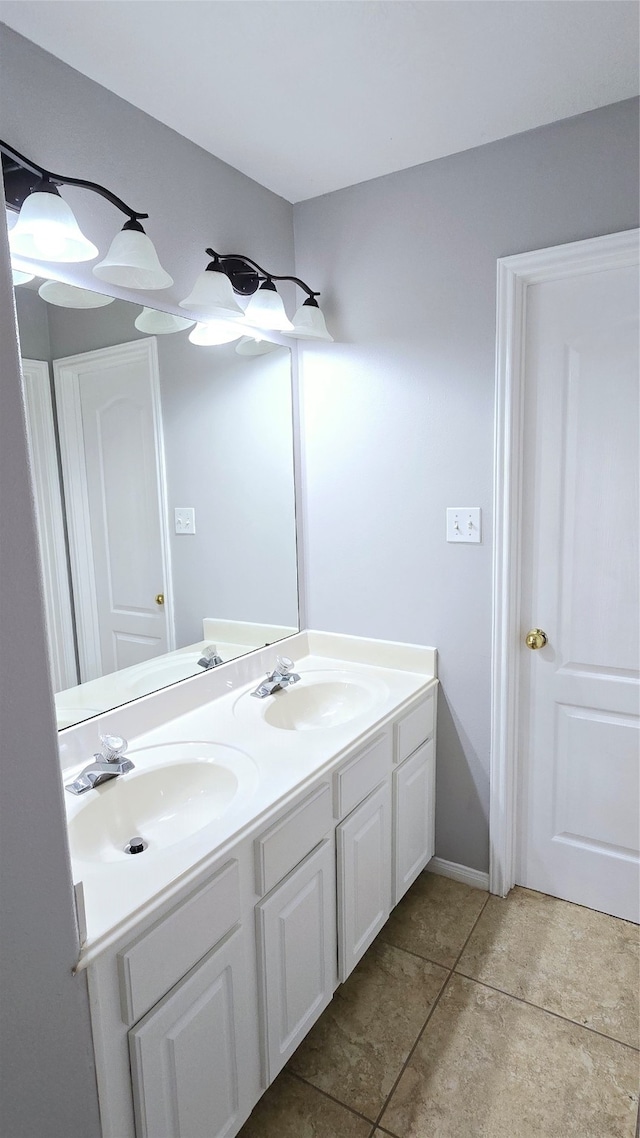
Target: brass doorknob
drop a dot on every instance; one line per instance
(159, 598)
(535, 638)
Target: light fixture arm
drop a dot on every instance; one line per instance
(233, 265)
(23, 163)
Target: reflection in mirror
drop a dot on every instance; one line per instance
(163, 477)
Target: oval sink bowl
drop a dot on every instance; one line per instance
(148, 677)
(319, 700)
(164, 804)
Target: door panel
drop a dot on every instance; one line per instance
(364, 877)
(296, 927)
(579, 821)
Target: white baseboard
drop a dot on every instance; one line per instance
(463, 873)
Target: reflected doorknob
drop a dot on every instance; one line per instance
(535, 638)
(159, 598)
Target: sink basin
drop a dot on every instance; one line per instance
(188, 786)
(320, 699)
(144, 678)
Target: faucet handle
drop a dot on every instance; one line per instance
(284, 664)
(113, 747)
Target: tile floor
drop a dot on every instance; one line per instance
(473, 1017)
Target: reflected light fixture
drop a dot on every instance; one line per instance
(21, 278)
(157, 323)
(70, 296)
(215, 332)
(251, 346)
(47, 229)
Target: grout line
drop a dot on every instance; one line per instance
(435, 1004)
(547, 1011)
(331, 1098)
(418, 955)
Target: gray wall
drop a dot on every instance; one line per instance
(399, 416)
(64, 120)
(48, 1080)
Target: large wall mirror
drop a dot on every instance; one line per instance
(163, 478)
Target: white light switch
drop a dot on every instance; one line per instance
(185, 519)
(464, 523)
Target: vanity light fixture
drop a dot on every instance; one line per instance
(235, 273)
(47, 229)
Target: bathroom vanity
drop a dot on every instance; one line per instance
(280, 832)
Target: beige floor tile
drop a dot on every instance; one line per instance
(291, 1109)
(356, 1050)
(492, 1067)
(570, 960)
(434, 918)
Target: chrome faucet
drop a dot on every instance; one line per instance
(281, 677)
(107, 763)
(210, 658)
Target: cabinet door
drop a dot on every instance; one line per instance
(413, 817)
(190, 1053)
(364, 877)
(296, 954)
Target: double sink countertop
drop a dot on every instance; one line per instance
(212, 763)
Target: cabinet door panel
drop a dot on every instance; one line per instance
(364, 877)
(187, 1054)
(414, 804)
(297, 947)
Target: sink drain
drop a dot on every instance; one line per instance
(136, 846)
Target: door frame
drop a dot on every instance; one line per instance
(67, 387)
(515, 275)
(41, 435)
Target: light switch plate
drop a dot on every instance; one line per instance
(464, 523)
(185, 519)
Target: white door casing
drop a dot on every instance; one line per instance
(43, 455)
(564, 798)
(115, 487)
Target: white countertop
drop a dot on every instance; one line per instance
(280, 764)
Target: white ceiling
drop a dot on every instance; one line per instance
(308, 96)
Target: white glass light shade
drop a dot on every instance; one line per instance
(215, 332)
(309, 324)
(69, 296)
(161, 323)
(266, 310)
(212, 296)
(132, 262)
(20, 277)
(248, 346)
(47, 230)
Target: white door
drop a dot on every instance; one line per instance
(188, 1054)
(363, 844)
(112, 458)
(414, 787)
(296, 927)
(578, 829)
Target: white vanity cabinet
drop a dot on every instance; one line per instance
(197, 1009)
(188, 1054)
